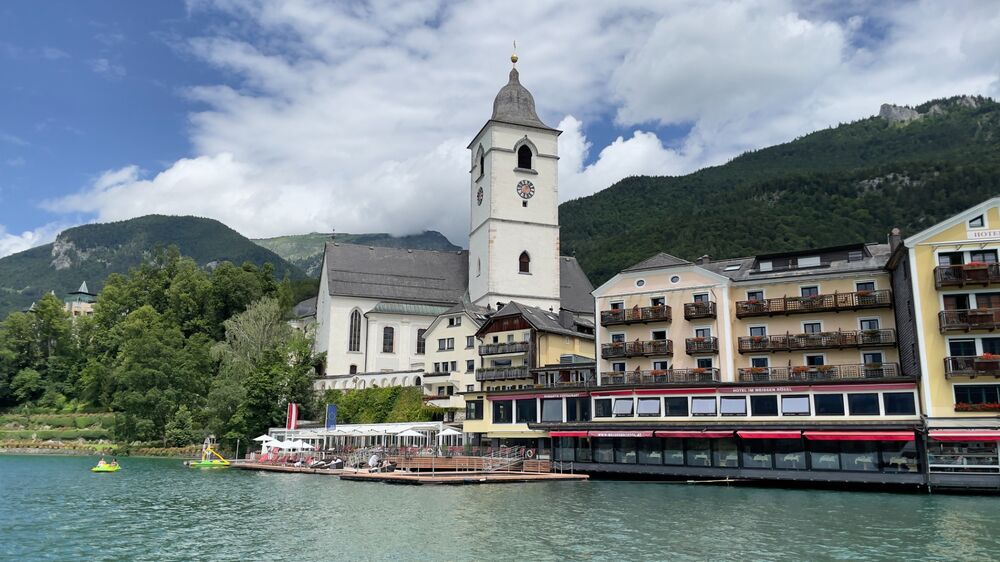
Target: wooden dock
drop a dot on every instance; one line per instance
(458, 478)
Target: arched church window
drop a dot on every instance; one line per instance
(354, 332)
(524, 157)
(416, 381)
(524, 263)
(388, 335)
(479, 267)
(482, 162)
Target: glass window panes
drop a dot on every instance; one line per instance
(977, 222)
(809, 261)
(733, 406)
(675, 406)
(527, 411)
(673, 451)
(977, 394)
(863, 404)
(618, 367)
(649, 407)
(583, 453)
(552, 410)
(604, 449)
(625, 450)
(602, 408)
(657, 301)
(725, 453)
(703, 406)
(617, 338)
(962, 348)
(829, 404)
(789, 454)
(764, 405)
(474, 409)
(814, 360)
(795, 405)
(755, 295)
(703, 333)
(810, 291)
(869, 324)
(577, 409)
(701, 297)
(865, 286)
(617, 305)
(899, 404)
(659, 335)
(758, 331)
(812, 327)
(704, 362)
(650, 451)
(988, 256)
(757, 453)
(661, 365)
(859, 456)
(503, 411)
(699, 452)
(899, 456)
(872, 358)
(991, 345)
(623, 407)
(758, 362)
(824, 455)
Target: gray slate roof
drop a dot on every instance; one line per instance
(542, 320)
(397, 274)
(575, 288)
(305, 309)
(515, 104)
(879, 256)
(479, 314)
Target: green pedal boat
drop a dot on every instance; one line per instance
(109, 467)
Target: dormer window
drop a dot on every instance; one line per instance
(809, 261)
(524, 157)
(978, 222)
(765, 266)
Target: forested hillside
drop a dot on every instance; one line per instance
(845, 184)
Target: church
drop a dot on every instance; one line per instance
(399, 317)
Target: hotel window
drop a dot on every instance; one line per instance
(421, 343)
(661, 365)
(649, 407)
(855, 255)
(354, 334)
(814, 360)
(496, 339)
(950, 258)
(810, 291)
(617, 338)
(552, 410)
(759, 362)
(618, 367)
(765, 266)
(988, 256)
(704, 363)
(602, 408)
(659, 335)
(899, 404)
(470, 365)
(503, 363)
(764, 405)
(625, 452)
(873, 358)
(578, 409)
(829, 404)
(474, 410)
(503, 411)
(758, 331)
(991, 345)
(703, 333)
(510, 338)
(525, 336)
(755, 295)
(977, 394)
(657, 301)
(812, 327)
(470, 342)
(388, 335)
(623, 407)
(701, 297)
(977, 222)
(809, 261)
(703, 406)
(865, 286)
(617, 305)
(470, 387)
(863, 404)
(454, 366)
(869, 324)
(675, 406)
(527, 411)
(795, 405)
(962, 348)
(454, 321)
(733, 406)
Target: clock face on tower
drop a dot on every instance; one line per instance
(479, 196)
(525, 189)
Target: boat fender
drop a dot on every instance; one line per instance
(530, 453)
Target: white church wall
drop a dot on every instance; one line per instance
(404, 354)
(338, 310)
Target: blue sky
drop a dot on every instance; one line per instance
(308, 115)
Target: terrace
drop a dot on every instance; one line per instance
(821, 340)
(636, 315)
(821, 373)
(832, 302)
(501, 373)
(972, 273)
(966, 320)
(500, 348)
(696, 310)
(662, 376)
(986, 365)
(637, 348)
(697, 346)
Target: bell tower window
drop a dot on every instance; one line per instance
(481, 158)
(524, 263)
(524, 157)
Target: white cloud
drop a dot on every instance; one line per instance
(107, 68)
(11, 243)
(334, 116)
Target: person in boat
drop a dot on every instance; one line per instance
(114, 462)
(102, 462)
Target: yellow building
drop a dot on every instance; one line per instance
(81, 301)
(953, 312)
(521, 347)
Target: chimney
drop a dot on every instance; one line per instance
(566, 319)
(895, 239)
(703, 259)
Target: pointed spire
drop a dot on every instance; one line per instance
(83, 288)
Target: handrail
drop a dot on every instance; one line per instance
(969, 319)
(971, 366)
(694, 310)
(501, 373)
(820, 372)
(701, 345)
(637, 348)
(973, 273)
(659, 313)
(505, 347)
(661, 376)
(830, 302)
(821, 340)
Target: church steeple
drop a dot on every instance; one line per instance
(514, 103)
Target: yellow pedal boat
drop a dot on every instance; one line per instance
(106, 468)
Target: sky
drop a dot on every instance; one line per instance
(308, 116)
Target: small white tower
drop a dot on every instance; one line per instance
(514, 230)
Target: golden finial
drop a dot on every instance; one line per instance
(513, 56)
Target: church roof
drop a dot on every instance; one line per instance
(398, 274)
(575, 288)
(515, 104)
(305, 309)
(409, 309)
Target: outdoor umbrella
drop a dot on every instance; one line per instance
(449, 431)
(409, 433)
(264, 438)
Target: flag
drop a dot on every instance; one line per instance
(331, 416)
(292, 421)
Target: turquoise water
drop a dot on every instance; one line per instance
(53, 508)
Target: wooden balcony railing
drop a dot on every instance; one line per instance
(972, 366)
(637, 348)
(580, 383)
(965, 320)
(695, 310)
(635, 315)
(498, 348)
(820, 373)
(972, 273)
(822, 340)
(501, 373)
(695, 346)
(668, 376)
(833, 302)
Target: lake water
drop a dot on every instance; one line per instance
(53, 508)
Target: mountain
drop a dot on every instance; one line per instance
(306, 250)
(91, 252)
(906, 168)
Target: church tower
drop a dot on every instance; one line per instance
(514, 196)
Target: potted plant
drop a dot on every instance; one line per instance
(976, 271)
(963, 407)
(800, 369)
(987, 362)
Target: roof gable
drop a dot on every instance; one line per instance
(955, 220)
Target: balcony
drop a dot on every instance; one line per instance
(635, 315)
(637, 349)
(834, 302)
(698, 346)
(973, 273)
(696, 310)
(966, 320)
(804, 373)
(668, 376)
(823, 340)
(499, 348)
(982, 366)
(501, 373)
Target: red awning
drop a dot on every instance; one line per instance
(965, 435)
(568, 434)
(859, 435)
(696, 434)
(769, 434)
(620, 433)
(510, 397)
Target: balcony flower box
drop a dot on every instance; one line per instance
(976, 271)
(980, 316)
(697, 340)
(963, 407)
(987, 363)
